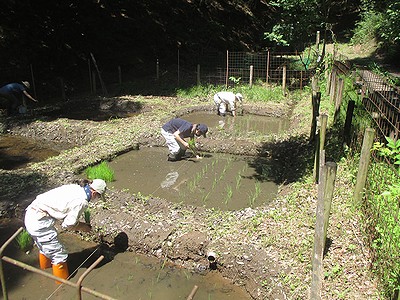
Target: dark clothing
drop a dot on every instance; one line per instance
(12, 88)
(12, 93)
(184, 127)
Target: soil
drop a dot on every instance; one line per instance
(262, 250)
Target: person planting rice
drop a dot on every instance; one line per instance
(175, 131)
(65, 203)
(13, 94)
(227, 101)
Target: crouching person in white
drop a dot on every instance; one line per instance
(227, 101)
(65, 203)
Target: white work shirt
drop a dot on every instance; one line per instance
(228, 98)
(66, 203)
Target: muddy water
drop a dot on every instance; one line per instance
(217, 180)
(121, 276)
(241, 124)
(17, 151)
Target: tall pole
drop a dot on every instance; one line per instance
(227, 68)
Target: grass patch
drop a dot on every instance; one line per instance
(259, 92)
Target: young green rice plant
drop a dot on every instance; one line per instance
(24, 241)
(101, 171)
(86, 214)
(192, 185)
(257, 187)
(214, 184)
(229, 194)
(253, 196)
(192, 146)
(205, 197)
(238, 180)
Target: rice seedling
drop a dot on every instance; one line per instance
(24, 241)
(238, 180)
(192, 146)
(253, 196)
(214, 184)
(86, 214)
(205, 197)
(101, 171)
(229, 194)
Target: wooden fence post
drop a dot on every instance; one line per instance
(332, 91)
(103, 87)
(33, 82)
(90, 76)
(316, 100)
(317, 40)
(325, 193)
(266, 81)
(284, 79)
(338, 98)
(62, 87)
(198, 74)
(347, 123)
(94, 86)
(320, 145)
(119, 75)
(178, 61)
(227, 69)
(318, 250)
(364, 162)
(328, 75)
(251, 75)
(328, 194)
(301, 79)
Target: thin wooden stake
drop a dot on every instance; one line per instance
(192, 293)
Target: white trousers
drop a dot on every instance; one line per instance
(41, 227)
(221, 106)
(173, 145)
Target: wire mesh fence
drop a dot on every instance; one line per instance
(216, 68)
(382, 101)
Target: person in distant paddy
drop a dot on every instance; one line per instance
(175, 131)
(13, 95)
(227, 101)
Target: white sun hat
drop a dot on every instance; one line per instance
(99, 185)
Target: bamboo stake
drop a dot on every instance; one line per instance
(98, 73)
(192, 293)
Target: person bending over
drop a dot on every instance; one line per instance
(175, 131)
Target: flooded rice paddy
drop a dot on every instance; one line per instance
(245, 124)
(17, 151)
(120, 276)
(223, 181)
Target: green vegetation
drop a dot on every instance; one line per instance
(259, 92)
(100, 171)
(87, 215)
(24, 241)
(380, 21)
(383, 209)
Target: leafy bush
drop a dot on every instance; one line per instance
(367, 29)
(383, 203)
